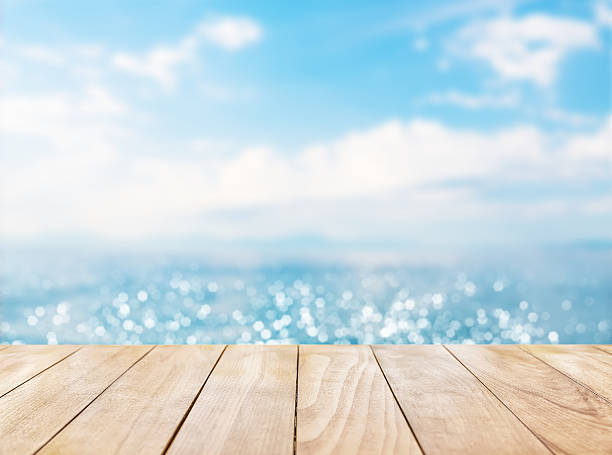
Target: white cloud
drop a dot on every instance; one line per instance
(599, 206)
(96, 180)
(76, 63)
(603, 12)
(435, 13)
(479, 101)
(63, 144)
(570, 118)
(161, 62)
(62, 116)
(76, 56)
(595, 146)
(508, 100)
(232, 33)
(42, 54)
(528, 48)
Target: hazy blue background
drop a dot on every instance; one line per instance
(261, 148)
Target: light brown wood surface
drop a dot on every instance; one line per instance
(139, 413)
(20, 363)
(33, 413)
(332, 399)
(345, 405)
(584, 364)
(605, 348)
(246, 407)
(568, 417)
(449, 410)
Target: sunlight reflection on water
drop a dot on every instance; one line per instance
(173, 301)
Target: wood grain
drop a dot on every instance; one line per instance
(246, 407)
(34, 412)
(111, 399)
(585, 364)
(20, 363)
(568, 417)
(449, 410)
(345, 405)
(139, 412)
(605, 348)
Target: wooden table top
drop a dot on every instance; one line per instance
(286, 399)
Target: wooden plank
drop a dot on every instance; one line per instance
(585, 364)
(20, 363)
(604, 347)
(140, 412)
(449, 410)
(246, 406)
(345, 405)
(34, 412)
(568, 417)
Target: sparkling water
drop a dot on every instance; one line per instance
(548, 296)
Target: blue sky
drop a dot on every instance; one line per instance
(427, 123)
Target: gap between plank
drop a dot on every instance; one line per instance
(565, 374)
(180, 424)
(297, 372)
(95, 398)
(42, 371)
(396, 400)
(498, 399)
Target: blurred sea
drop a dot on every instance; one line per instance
(554, 295)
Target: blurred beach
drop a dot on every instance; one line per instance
(299, 172)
